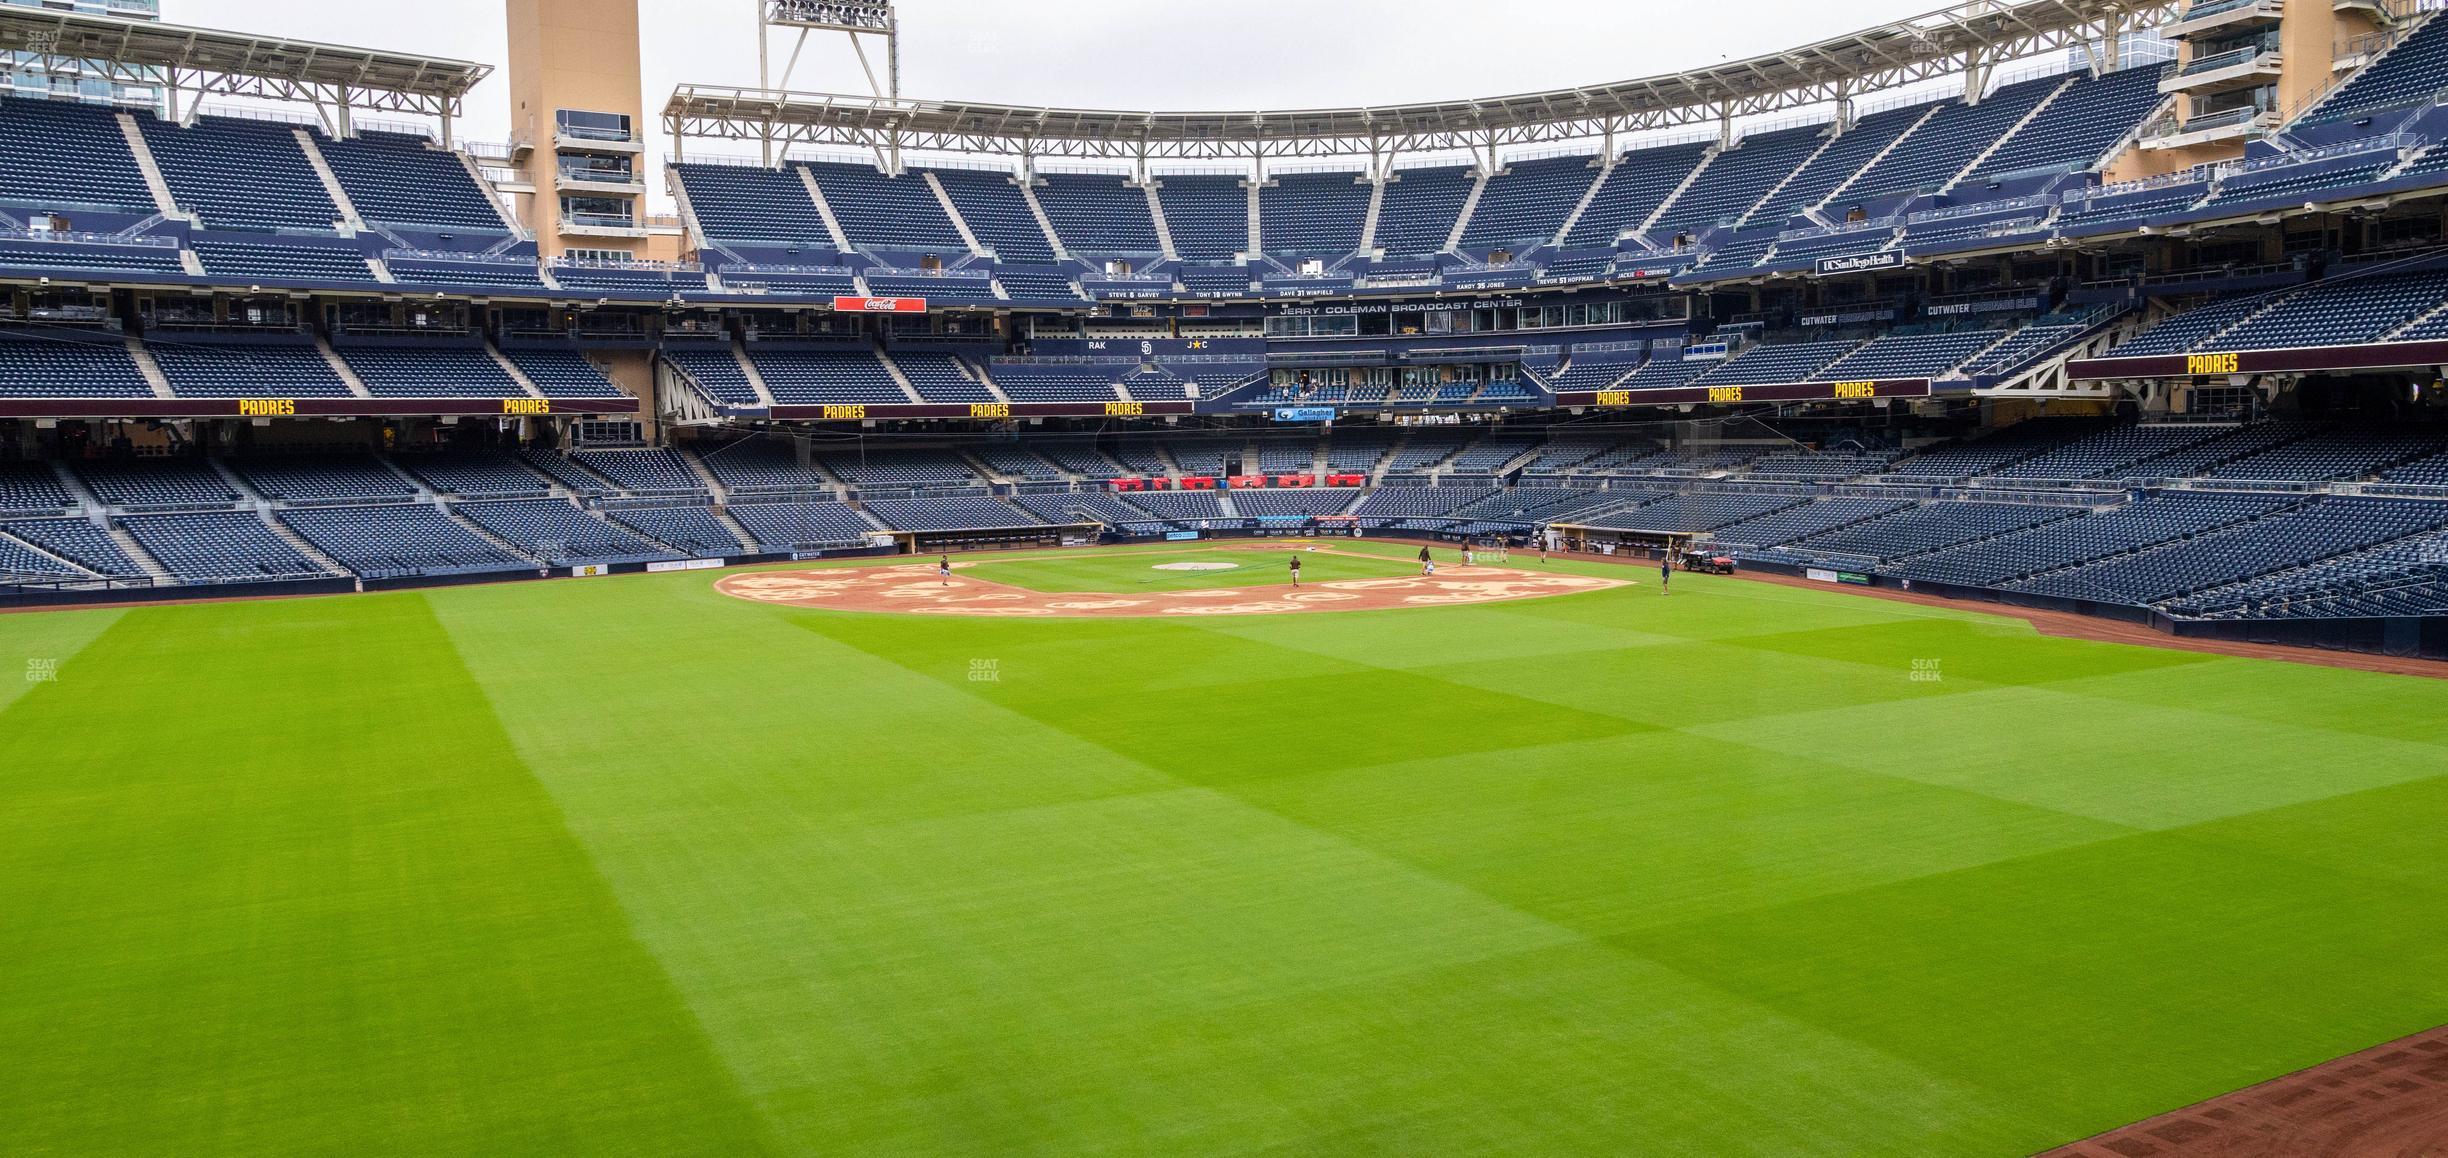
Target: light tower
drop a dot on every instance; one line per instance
(856, 19)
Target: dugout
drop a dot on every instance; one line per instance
(998, 538)
(1625, 541)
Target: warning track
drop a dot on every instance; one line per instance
(2389, 1101)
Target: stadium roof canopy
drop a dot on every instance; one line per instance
(1968, 39)
(207, 61)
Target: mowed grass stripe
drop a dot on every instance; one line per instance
(1633, 824)
(2099, 984)
(272, 881)
(36, 648)
(2144, 765)
(2334, 699)
(1654, 1088)
(1085, 955)
(1606, 873)
(2249, 767)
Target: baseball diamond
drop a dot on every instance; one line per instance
(1808, 579)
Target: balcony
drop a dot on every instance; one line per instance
(587, 179)
(579, 138)
(2242, 124)
(511, 151)
(600, 225)
(2248, 67)
(2225, 15)
(2386, 12)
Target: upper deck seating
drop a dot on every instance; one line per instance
(64, 156)
(1098, 213)
(241, 174)
(1207, 213)
(998, 214)
(401, 179)
(1525, 203)
(1419, 209)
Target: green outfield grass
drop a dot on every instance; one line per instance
(1130, 571)
(628, 866)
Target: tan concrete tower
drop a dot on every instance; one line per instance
(578, 112)
(2247, 68)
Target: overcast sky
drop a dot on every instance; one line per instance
(1138, 54)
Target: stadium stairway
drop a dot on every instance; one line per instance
(2030, 116)
(1164, 229)
(723, 516)
(892, 370)
(136, 553)
(340, 366)
(1470, 209)
(705, 475)
(237, 484)
(689, 550)
(1045, 222)
(1769, 198)
(1368, 219)
(1871, 165)
(960, 224)
(1580, 207)
(756, 377)
(332, 188)
(824, 209)
(1675, 195)
(1254, 208)
(66, 565)
(511, 368)
(471, 526)
(977, 373)
(163, 200)
(424, 493)
(297, 542)
(151, 369)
